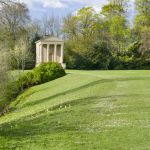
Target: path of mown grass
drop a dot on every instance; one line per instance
(84, 110)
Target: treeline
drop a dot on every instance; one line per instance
(107, 40)
(103, 40)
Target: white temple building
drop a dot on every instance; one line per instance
(50, 50)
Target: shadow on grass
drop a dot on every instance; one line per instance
(81, 88)
(28, 92)
(45, 123)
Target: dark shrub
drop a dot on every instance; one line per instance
(95, 55)
(99, 56)
(12, 91)
(26, 80)
(47, 72)
(41, 74)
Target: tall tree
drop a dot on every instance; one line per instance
(13, 19)
(81, 24)
(5, 2)
(116, 20)
(115, 7)
(70, 27)
(142, 24)
(142, 19)
(51, 26)
(85, 47)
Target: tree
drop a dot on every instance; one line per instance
(4, 67)
(4, 76)
(86, 44)
(51, 26)
(21, 56)
(142, 19)
(13, 19)
(70, 27)
(142, 25)
(117, 25)
(5, 2)
(115, 8)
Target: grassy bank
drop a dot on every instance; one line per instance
(84, 110)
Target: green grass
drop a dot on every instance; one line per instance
(85, 110)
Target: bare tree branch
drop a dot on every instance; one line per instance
(5, 2)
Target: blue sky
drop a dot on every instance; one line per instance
(40, 8)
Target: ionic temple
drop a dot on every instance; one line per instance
(50, 50)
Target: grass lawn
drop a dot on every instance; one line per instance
(85, 110)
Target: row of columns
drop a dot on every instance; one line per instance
(55, 52)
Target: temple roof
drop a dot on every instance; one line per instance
(50, 39)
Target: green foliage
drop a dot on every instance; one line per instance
(95, 38)
(108, 42)
(143, 17)
(94, 56)
(131, 59)
(99, 56)
(133, 49)
(112, 9)
(47, 72)
(32, 49)
(72, 59)
(26, 80)
(13, 90)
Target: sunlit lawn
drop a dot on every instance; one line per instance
(85, 110)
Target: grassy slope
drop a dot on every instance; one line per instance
(84, 110)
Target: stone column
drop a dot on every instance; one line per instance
(47, 52)
(55, 52)
(41, 48)
(37, 53)
(62, 54)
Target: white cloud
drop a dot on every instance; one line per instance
(96, 4)
(38, 7)
(53, 4)
(64, 3)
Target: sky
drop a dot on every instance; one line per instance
(40, 8)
